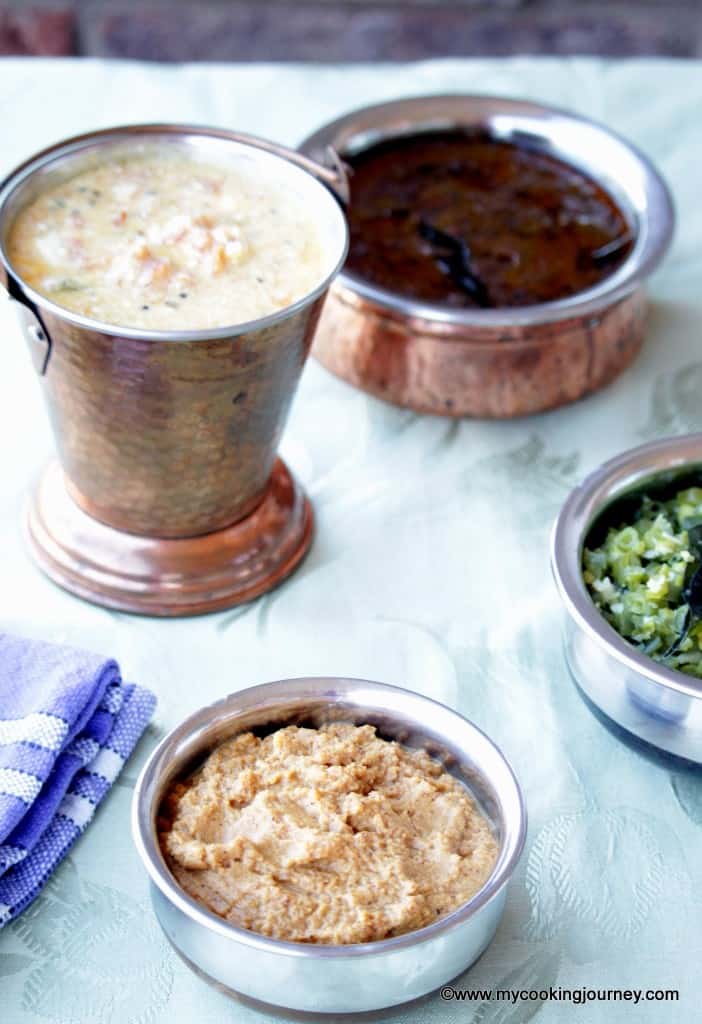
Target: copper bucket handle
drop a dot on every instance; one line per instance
(32, 331)
(334, 173)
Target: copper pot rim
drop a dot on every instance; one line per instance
(333, 179)
(478, 335)
(653, 223)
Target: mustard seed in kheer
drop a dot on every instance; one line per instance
(329, 835)
(160, 241)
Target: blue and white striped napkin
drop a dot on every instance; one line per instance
(67, 726)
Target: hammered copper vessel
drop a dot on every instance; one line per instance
(496, 363)
(169, 502)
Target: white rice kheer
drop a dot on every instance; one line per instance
(158, 240)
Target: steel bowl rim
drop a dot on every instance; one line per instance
(641, 262)
(161, 877)
(569, 531)
(75, 143)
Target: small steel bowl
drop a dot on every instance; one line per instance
(333, 979)
(658, 705)
(496, 363)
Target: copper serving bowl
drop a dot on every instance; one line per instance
(497, 362)
(170, 498)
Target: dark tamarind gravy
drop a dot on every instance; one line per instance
(463, 219)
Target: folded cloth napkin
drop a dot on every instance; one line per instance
(67, 726)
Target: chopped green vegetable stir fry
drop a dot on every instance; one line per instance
(646, 579)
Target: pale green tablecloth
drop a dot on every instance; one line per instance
(429, 570)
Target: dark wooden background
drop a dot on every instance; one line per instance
(345, 30)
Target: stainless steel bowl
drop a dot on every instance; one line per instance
(659, 705)
(496, 362)
(333, 979)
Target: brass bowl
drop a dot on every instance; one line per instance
(496, 363)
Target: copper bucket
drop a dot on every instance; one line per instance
(171, 499)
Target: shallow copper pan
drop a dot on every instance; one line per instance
(497, 362)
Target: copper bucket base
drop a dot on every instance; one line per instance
(153, 576)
